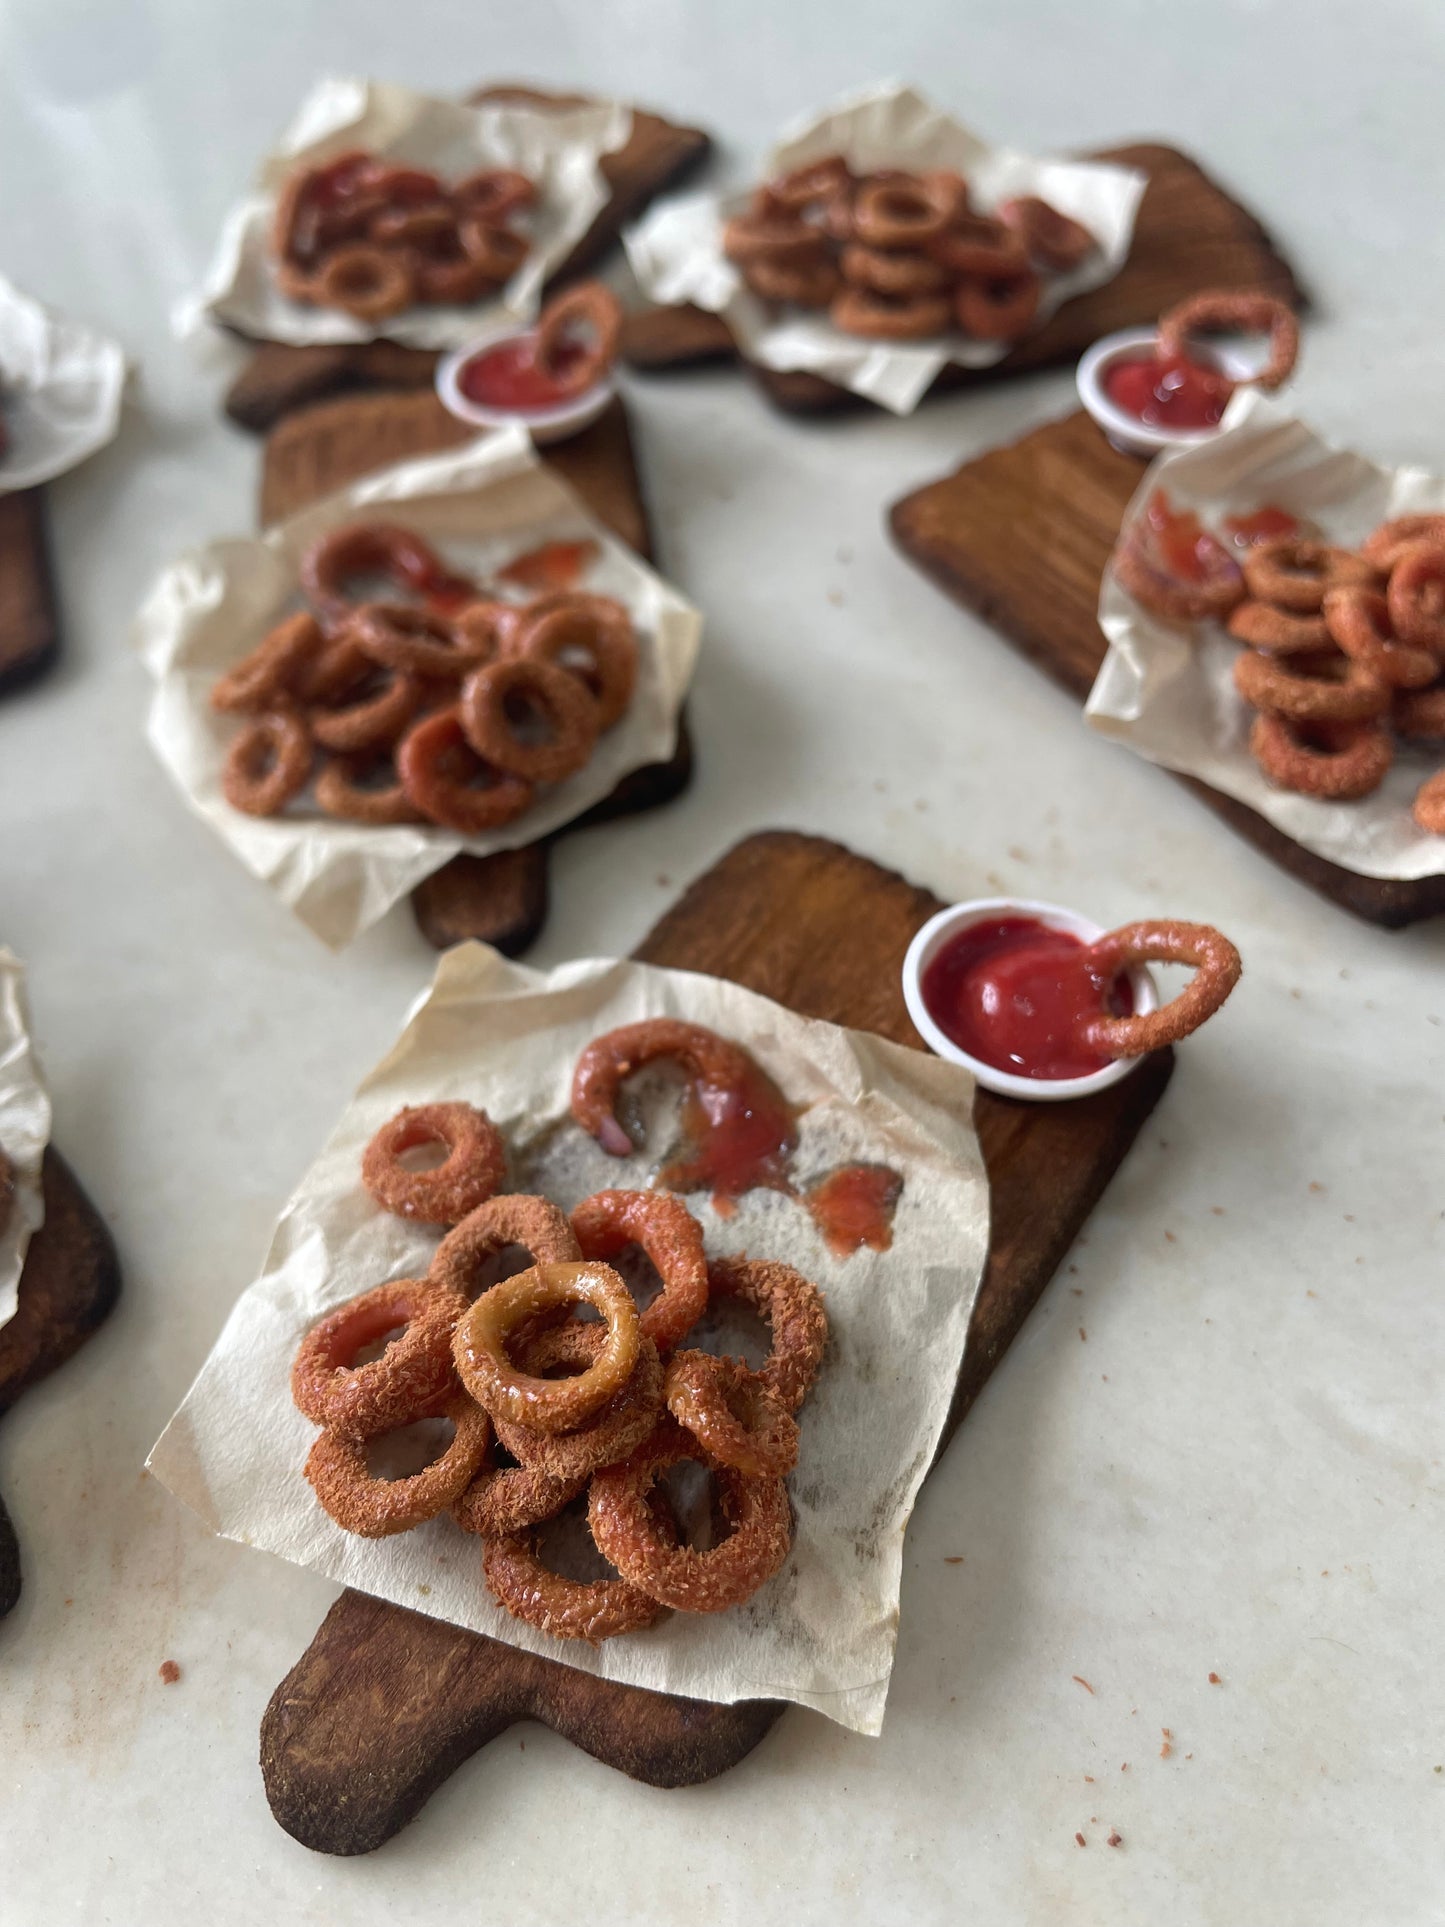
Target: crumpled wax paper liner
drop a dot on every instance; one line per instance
(676, 250)
(61, 386)
(24, 1130)
(557, 148)
(822, 1631)
(1169, 693)
(481, 505)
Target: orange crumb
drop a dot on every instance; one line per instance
(1215, 1680)
(1081, 1840)
(1169, 1238)
(1089, 1778)
(1080, 1680)
(1165, 1750)
(1116, 1839)
(1123, 1766)
(1083, 1335)
(170, 1672)
(1166, 1732)
(953, 1559)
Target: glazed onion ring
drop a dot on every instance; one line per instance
(268, 763)
(1359, 621)
(668, 1234)
(1382, 548)
(514, 1218)
(474, 1168)
(1277, 631)
(376, 1508)
(1057, 240)
(608, 1061)
(792, 1308)
(343, 791)
(1332, 690)
(858, 311)
(627, 1531)
(1216, 972)
(587, 309)
(731, 1413)
(1428, 809)
(545, 1405)
(593, 1610)
(1341, 761)
(412, 1373)
(1295, 575)
(274, 671)
(452, 785)
(589, 636)
(491, 699)
(628, 1417)
(1416, 595)
(1235, 311)
(366, 281)
(998, 307)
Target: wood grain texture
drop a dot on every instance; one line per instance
(70, 1281)
(29, 626)
(501, 899)
(1190, 234)
(282, 375)
(1021, 536)
(384, 1704)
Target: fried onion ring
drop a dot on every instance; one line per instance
(1056, 239)
(792, 1308)
(343, 791)
(859, 311)
(546, 1405)
(749, 239)
(450, 784)
(807, 284)
(369, 282)
(1383, 547)
(977, 244)
(412, 1373)
(592, 638)
(1419, 714)
(1294, 575)
(275, 670)
(593, 1610)
(376, 1508)
(1341, 761)
(1144, 567)
(372, 714)
(401, 636)
(512, 1218)
(905, 213)
(731, 1413)
(491, 700)
(608, 1061)
(997, 307)
(897, 272)
(1416, 595)
(627, 1418)
(359, 549)
(1235, 311)
(628, 1532)
(494, 252)
(813, 186)
(589, 308)
(506, 1499)
(1277, 631)
(495, 193)
(1359, 621)
(268, 763)
(670, 1237)
(1216, 972)
(1428, 809)
(474, 1169)
(1332, 689)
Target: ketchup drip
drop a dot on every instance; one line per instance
(1169, 391)
(556, 565)
(1262, 525)
(1180, 541)
(1015, 994)
(853, 1207)
(738, 1137)
(509, 376)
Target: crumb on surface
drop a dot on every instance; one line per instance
(1116, 1839)
(1083, 1335)
(1079, 1678)
(953, 1559)
(1081, 1840)
(1215, 1680)
(169, 1672)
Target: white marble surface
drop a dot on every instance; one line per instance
(1238, 1471)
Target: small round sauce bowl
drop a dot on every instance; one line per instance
(1240, 361)
(959, 916)
(543, 424)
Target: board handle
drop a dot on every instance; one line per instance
(385, 1704)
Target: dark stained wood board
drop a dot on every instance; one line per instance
(29, 626)
(284, 375)
(1189, 234)
(500, 899)
(70, 1280)
(1021, 536)
(384, 1705)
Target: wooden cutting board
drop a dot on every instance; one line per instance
(29, 630)
(501, 899)
(281, 375)
(1189, 234)
(1021, 536)
(70, 1281)
(385, 1704)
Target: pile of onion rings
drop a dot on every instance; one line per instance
(432, 702)
(593, 1409)
(1344, 648)
(898, 256)
(373, 238)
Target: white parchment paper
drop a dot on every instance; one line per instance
(822, 1631)
(480, 505)
(558, 148)
(24, 1130)
(60, 390)
(676, 250)
(1169, 693)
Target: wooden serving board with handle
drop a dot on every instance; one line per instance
(29, 627)
(69, 1283)
(1189, 234)
(500, 899)
(1021, 536)
(385, 1704)
(284, 375)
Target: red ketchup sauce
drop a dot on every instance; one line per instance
(738, 1137)
(556, 565)
(510, 376)
(853, 1207)
(1180, 542)
(1262, 525)
(1015, 994)
(1168, 391)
